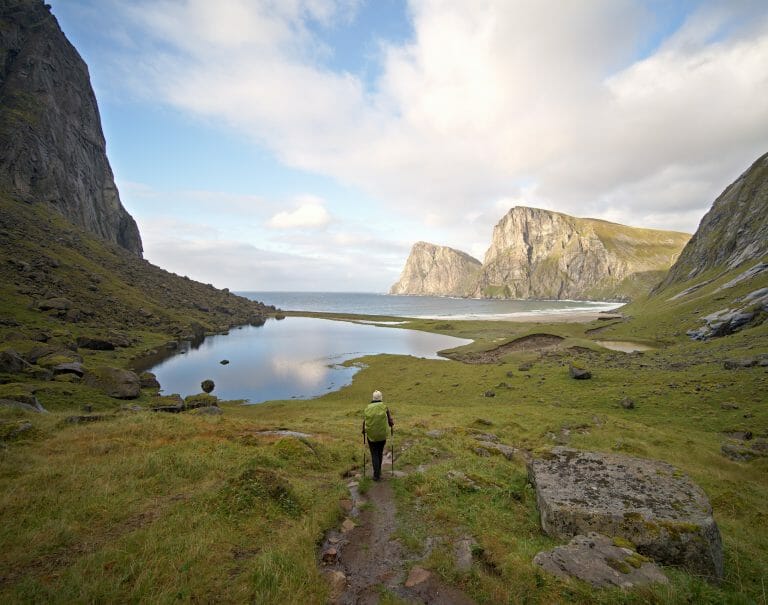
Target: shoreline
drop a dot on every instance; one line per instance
(576, 316)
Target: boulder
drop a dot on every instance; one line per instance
(507, 451)
(739, 364)
(95, 343)
(600, 561)
(647, 502)
(55, 304)
(73, 367)
(13, 429)
(579, 373)
(627, 403)
(207, 385)
(11, 362)
(148, 380)
(59, 357)
(21, 405)
(114, 382)
(201, 400)
(210, 410)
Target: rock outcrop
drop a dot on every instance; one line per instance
(647, 502)
(541, 254)
(602, 562)
(53, 147)
(734, 231)
(437, 271)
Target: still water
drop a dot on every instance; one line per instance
(298, 357)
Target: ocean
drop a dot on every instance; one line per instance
(427, 307)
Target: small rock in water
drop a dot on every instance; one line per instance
(224, 362)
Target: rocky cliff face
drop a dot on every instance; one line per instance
(53, 147)
(735, 229)
(438, 271)
(540, 254)
(536, 253)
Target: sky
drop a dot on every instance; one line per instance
(306, 144)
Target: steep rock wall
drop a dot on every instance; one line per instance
(53, 147)
(734, 230)
(437, 271)
(537, 253)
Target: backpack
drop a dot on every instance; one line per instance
(376, 422)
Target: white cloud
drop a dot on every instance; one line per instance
(493, 103)
(310, 213)
(486, 95)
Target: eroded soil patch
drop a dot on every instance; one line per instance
(532, 342)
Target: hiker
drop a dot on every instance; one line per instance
(375, 420)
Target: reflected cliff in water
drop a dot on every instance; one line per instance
(299, 357)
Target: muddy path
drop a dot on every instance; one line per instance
(364, 559)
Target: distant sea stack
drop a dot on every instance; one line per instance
(53, 147)
(539, 254)
(437, 271)
(734, 230)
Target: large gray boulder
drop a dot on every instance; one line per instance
(647, 502)
(601, 561)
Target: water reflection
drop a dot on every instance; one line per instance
(299, 357)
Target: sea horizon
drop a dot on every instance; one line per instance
(424, 307)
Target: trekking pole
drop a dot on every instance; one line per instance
(363, 455)
(392, 448)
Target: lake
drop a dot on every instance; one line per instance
(298, 357)
(429, 307)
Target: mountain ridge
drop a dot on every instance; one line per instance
(543, 254)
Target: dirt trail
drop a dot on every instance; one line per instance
(372, 560)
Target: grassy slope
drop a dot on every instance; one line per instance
(185, 507)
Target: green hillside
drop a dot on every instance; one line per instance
(139, 506)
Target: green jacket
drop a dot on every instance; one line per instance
(376, 420)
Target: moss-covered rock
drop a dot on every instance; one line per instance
(114, 382)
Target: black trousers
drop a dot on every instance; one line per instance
(377, 451)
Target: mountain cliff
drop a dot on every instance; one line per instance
(735, 229)
(720, 282)
(438, 271)
(541, 254)
(53, 148)
(537, 253)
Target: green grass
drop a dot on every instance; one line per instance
(152, 507)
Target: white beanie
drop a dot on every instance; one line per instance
(377, 396)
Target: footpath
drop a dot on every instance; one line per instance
(363, 560)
